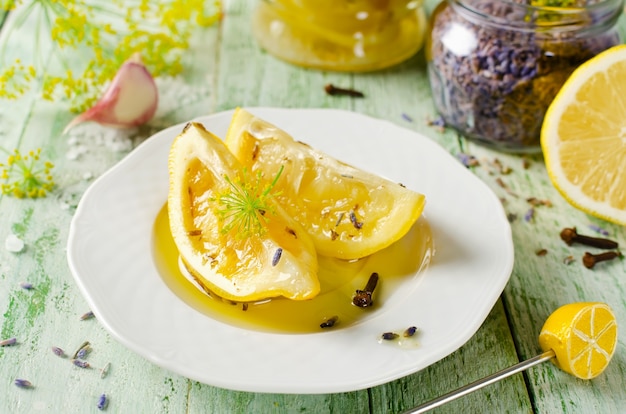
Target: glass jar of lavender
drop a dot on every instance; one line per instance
(495, 66)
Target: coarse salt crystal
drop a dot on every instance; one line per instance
(13, 244)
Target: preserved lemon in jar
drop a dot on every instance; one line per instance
(340, 35)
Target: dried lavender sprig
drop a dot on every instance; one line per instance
(277, 256)
(82, 346)
(330, 322)
(102, 402)
(87, 315)
(389, 336)
(26, 285)
(81, 364)
(467, 160)
(22, 383)
(598, 229)
(529, 214)
(8, 342)
(410, 331)
(58, 352)
(82, 353)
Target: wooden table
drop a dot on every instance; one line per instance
(226, 69)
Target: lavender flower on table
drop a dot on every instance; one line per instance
(81, 364)
(22, 383)
(87, 315)
(82, 353)
(467, 160)
(598, 229)
(529, 214)
(102, 402)
(8, 342)
(58, 351)
(26, 285)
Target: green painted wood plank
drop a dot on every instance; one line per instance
(490, 350)
(540, 284)
(226, 69)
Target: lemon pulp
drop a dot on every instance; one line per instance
(399, 267)
(348, 212)
(583, 137)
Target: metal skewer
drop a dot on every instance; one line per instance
(483, 382)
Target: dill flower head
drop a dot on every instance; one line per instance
(96, 37)
(26, 175)
(245, 204)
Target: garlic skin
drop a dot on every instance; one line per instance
(130, 100)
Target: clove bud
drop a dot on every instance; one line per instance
(590, 260)
(363, 298)
(570, 236)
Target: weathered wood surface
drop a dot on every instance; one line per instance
(225, 69)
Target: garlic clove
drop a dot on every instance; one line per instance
(130, 100)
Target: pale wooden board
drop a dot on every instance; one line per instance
(225, 69)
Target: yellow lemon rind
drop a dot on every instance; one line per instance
(294, 276)
(550, 136)
(407, 207)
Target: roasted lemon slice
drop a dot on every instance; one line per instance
(233, 237)
(348, 212)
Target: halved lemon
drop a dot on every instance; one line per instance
(583, 137)
(271, 255)
(349, 213)
(583, 336)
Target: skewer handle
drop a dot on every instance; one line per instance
(483, 382)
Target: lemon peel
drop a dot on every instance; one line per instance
(235, 268)
(349, 213)
(583, 137)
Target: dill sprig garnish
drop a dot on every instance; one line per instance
(97, 37)
(26, 175)
(245, 204)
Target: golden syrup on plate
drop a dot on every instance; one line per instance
(398, 266)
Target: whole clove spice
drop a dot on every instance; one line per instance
(336, 91)
(363, 298)
(570, 236)
(590, 260)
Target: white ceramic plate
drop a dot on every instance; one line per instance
(110, 255)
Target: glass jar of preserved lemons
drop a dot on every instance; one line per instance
(495, 66)
(340, 35)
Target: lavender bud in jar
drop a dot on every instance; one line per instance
(495, 66)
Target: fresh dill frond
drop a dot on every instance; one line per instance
(96, 37)
(245, 204)
(26, 175)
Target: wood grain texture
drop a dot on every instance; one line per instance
(226, 69)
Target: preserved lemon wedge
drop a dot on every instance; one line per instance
(348, 212)
(232, 236)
